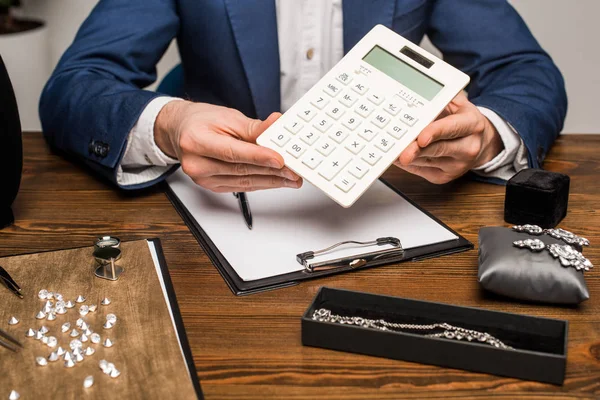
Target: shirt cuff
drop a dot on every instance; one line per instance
(143, 160)
(510, 160)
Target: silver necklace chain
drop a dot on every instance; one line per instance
(449, 331)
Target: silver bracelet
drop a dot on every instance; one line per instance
(449, 331)
(557, 233)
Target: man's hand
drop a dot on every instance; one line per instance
(217, 148)
(459, 140)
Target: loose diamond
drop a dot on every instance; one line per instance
(108, 325)
(88, 332)
(30, 333)
(14, 395)
(60, 351)
(105, 301)
(107, 343)
(65, 327)
(69, 364)
(58, 296)
(50, 296)
(103, 364)
(40, 315)
(84, 338)
(48, 307)
(93, 307)
(89, 351)
(44, 329)
(79, 322)
(75, 344)
(68, 356)
(79, 357)
(13, 321)
(60, 304)
(84, 326)
(74, 333)
(60, 311)
(52, 342)
(45, 340)
(39, 335)
(83, 310)
(53, 356)
(115, 373)
(112, 318)
(69, 304)
(51, 316)
(80, 299)
(95, 338)
(88, 381)
(41, 361)
(43, 294)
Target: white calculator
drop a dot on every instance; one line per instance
(354, 123)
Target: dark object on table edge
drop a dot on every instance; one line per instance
(11, 148)
(535, 196)
(539, 344)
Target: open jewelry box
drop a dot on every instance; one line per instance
(539, 345)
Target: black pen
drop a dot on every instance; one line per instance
(9, 282)
(245, 207)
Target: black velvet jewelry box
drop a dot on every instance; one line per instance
(540, 344)
(538, 197)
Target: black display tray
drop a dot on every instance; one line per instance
(540, 344)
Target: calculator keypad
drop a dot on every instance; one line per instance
(343, 130)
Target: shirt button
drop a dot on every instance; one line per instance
(310, 53)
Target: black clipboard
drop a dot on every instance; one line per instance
(180, 329)
(240, 287)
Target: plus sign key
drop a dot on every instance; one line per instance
(334, 164)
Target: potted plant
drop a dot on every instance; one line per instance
(25, 51)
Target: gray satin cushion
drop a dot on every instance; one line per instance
(522, 274)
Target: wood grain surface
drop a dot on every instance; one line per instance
(250, 348)
(145, 350)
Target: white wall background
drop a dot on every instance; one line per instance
(567, 29)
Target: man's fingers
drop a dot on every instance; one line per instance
(447, 164)
(203, 167)
(256, 127)
(231, 150)
(433, 175)
(450, 127)
(246, 183)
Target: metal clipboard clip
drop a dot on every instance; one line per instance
(353, 261)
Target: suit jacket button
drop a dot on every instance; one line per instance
(99, 149)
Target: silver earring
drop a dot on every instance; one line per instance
(558, 233)
(567, 255)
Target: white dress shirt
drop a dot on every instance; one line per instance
(312, 44)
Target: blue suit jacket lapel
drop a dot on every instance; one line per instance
(360, 16)
(254, 26)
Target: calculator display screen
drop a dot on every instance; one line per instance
(404, 73)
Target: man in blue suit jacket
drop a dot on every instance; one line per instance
(236, 62)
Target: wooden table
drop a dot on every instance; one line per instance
(249, 347)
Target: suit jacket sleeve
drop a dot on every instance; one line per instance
(94, 96)
(510, 73)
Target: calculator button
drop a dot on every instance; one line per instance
(320, 101)
(408, 119)
(375, 98)
(358, 169)
(384, 143)
(367, 132)
(392, 107)
(322, 124)
(309, 136)
(334, 164)
(280, 139)
(307, 113)
(325, 146)
(380, 120)
(312, 159)
(335, 110)
(297, 148)
(345, 183)
(344, 78)
(351, 121)
(332, 89)
(293, 126)
(364, 109)
(355, 145)
(359, 87)
(338, 134)
(371, 155)
(397, 130)
(348, 99)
